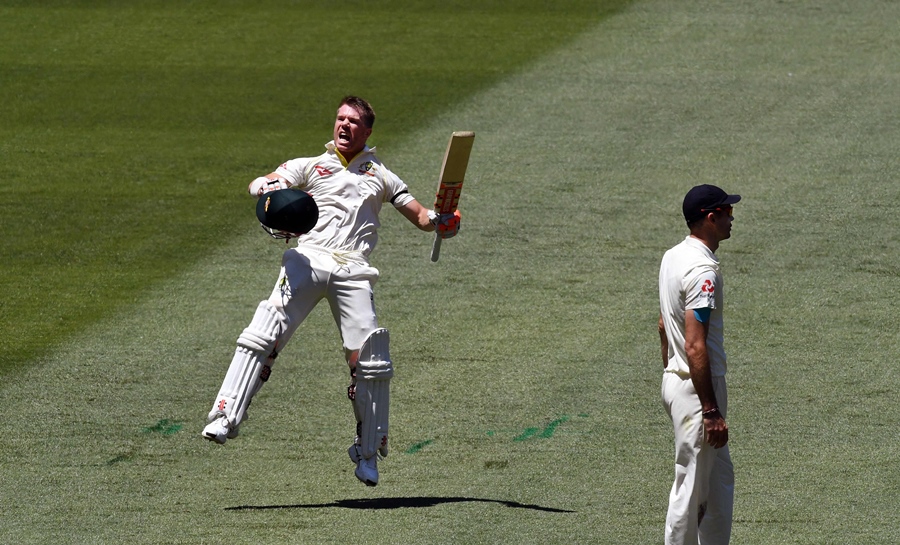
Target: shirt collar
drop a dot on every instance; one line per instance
(698, 244)
(332, 148)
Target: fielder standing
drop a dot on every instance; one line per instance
(693, 388)
(349, 185)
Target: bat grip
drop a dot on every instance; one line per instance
(436, 248)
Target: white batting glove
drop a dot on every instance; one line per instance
(446, 225)
(263, 185)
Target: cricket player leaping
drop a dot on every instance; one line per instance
(349, 185)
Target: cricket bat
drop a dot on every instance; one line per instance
(456, 160)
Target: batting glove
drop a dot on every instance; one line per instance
(263, 185)
(446, 225)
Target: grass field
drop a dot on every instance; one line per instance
(132, 260)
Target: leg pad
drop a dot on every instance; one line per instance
(374, 371)
(251, 365)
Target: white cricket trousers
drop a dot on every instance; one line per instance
(308, 275)
(312, 273)
(704, 476)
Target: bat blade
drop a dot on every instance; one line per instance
(453, 173)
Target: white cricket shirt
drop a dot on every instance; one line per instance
(689, 279)
(349, 197)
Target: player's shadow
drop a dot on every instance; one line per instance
(396, 503)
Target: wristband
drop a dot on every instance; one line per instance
(711, 413)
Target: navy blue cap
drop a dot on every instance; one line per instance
(702, 199)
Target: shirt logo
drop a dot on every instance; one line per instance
(323, 171)
(708, 287)
(366, 168)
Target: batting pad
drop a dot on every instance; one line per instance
(251, 364)
(263, 331)
(373, 376)
(241, 381)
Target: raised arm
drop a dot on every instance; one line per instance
(418, 215)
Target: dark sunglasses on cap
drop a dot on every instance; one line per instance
(727, 209)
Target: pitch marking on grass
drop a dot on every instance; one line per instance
(418, 446)
(529, 432)
(165, 427)
(120, 458)
(547, 433)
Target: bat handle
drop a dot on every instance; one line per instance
(436, 248)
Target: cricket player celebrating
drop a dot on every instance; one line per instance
(693, 388)
(349, 185)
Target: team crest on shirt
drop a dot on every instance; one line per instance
(366, 168)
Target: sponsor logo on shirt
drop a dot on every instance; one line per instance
(366, 168)
(323, 171)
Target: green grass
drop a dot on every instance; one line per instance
(129, 130)
(526, 403)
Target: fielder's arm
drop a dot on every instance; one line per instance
(695, 333)
(663, 342)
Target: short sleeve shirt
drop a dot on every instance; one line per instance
(349, 197)
(690, 279)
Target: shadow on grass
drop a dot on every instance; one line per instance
(395, 503)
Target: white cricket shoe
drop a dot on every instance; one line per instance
(367, 471)
(219, 430)
(354, 454)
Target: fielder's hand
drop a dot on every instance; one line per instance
(446, 225)
(715, 428)
(263, 185)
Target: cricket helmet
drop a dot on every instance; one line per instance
(287, 213)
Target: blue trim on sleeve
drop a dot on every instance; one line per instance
(702, 314)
